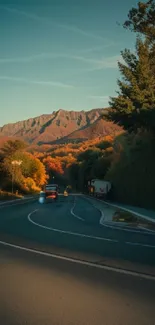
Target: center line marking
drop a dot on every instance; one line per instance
(83, 235)
(72, 211)
(66, 231)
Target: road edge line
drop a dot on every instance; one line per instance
(82, 262)
(20, 202)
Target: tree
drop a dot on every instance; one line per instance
(38, 172)
(100, 168)
(104, 144)
(135, 105)
(142, 20)
(12, 146)
(53, 164)
(89, 155)
(73, 172)
(10, 172)
(132, 170)
(31, 173)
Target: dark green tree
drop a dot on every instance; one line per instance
(73, 174)
(132, 169)
(135, 105)
(104, 145)
(89, 155)
(142, 20)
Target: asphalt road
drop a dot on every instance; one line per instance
(39, 288)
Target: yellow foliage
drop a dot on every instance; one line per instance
(30, 185)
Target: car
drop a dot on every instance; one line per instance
(51, 191)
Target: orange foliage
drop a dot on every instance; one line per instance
(53, 164)
(61, 156)
(29, 184)
(68, 160)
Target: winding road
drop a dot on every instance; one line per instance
(59, 265)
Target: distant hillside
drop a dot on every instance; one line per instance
(99, 128)
(58, 127)
(5, 139)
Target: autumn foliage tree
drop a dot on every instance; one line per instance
(92, 162)
(12, 146)
(30, 175)
(53, 164)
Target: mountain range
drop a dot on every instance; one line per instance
(60, 127)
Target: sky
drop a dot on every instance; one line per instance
(60, 55)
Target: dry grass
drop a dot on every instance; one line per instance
(124, 216)
(6, 196)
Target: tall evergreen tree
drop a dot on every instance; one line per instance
(142, 20)
(135, 105)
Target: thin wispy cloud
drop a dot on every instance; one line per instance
(106, 63)
(102, 99)
(29, 58)
(36, 82)
(47, 21)
(97, 48)
(96, 64)
(83, 59)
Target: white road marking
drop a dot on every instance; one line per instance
(68, 232)
(15, 200)
(102, 217)
(83, 235)
(72, 211)
(101, 212)
(138, 244)
(76, 261)
(147, 230)
(9, 201)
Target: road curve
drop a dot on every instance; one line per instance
(42, 289)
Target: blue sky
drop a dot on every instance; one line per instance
(60, 55)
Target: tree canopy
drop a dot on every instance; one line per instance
(142, 19)
(12, 146)
(30, 175)
(134, 105)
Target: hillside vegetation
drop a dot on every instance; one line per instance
(117, 144)
(125, 158)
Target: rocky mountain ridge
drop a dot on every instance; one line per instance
(59, 125)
